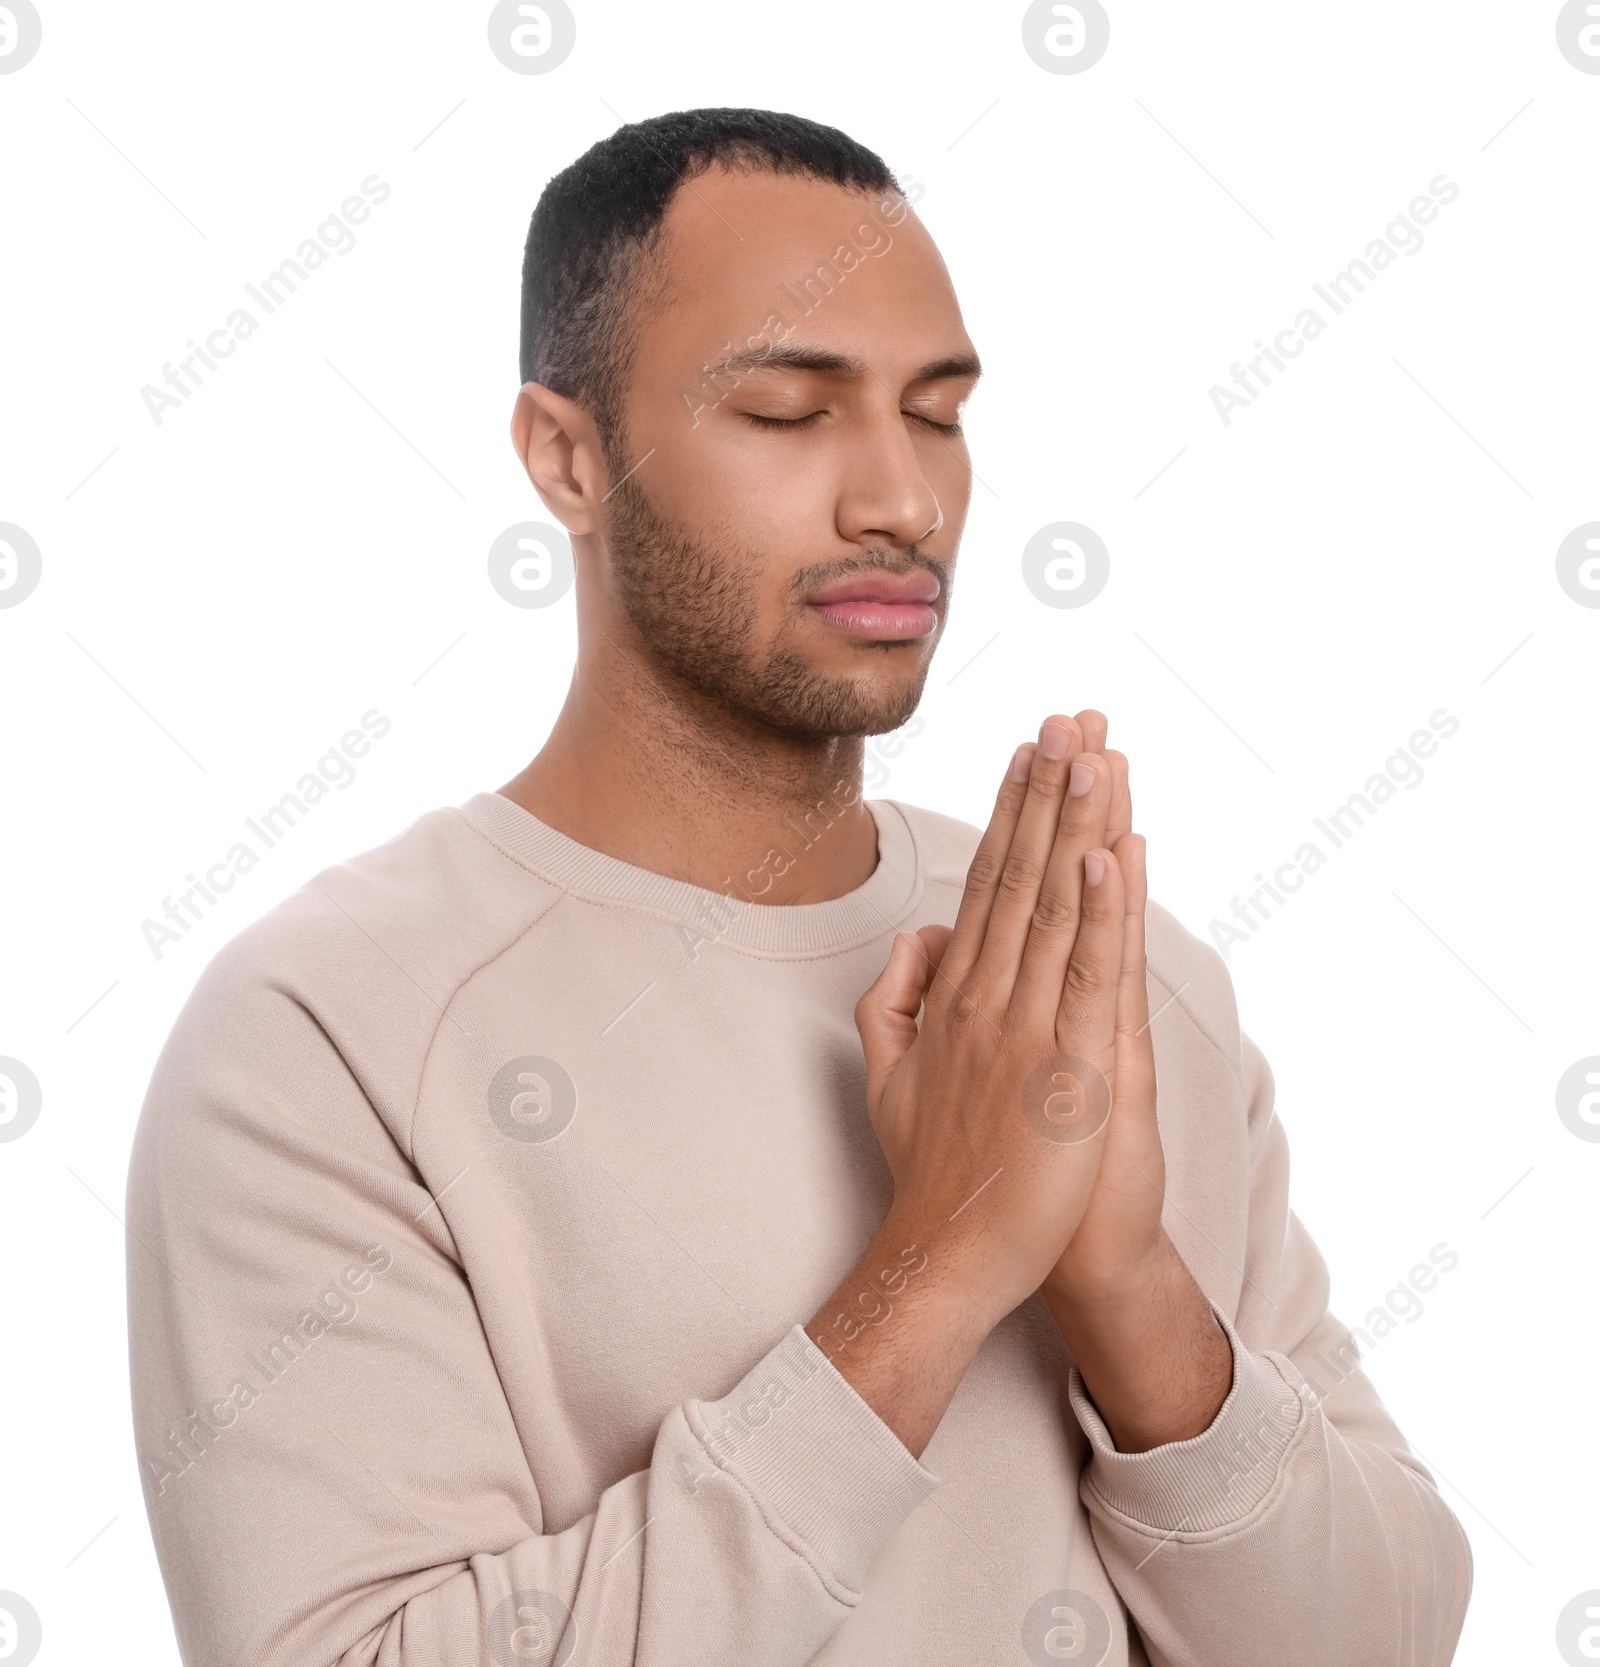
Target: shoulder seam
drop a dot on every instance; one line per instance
(466, 978)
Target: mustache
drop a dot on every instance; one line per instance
(881, 560)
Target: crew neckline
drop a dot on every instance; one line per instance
(875, 907)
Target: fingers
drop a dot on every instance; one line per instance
(983, 873)
(886, 1014)
(1087, 1012)
(1136, 1131)
(1135, 1053)
(1024, 900)
(1054, 924)
(933, 944)
(1133, 995)
(1119, 819)
(1092, 725)
(1088, 995)
(1027, 864)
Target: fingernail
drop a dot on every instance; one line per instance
(1094, 868)
(1080, 779)
(1021, 762)
(1054, 740)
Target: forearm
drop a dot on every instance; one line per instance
(902, 1328)
(1151, 1355)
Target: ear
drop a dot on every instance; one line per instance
(558, 444)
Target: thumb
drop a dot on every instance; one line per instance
(886, 1014)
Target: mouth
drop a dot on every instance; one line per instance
(880, 607)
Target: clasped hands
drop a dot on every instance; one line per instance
(1011, 1083)
(1044, 966)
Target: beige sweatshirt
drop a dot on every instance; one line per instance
(478, 1202)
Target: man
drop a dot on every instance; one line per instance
(675, 1210)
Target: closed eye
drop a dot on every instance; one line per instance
(783, 422)
(812, 416)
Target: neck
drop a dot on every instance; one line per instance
(662, 778)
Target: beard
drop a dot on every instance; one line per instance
(693, 604)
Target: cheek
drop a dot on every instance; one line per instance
(739, 490)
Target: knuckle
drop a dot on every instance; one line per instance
(1097, 907)
(983, 874)
(963, 1008)
(1054, 912)
(1086, 976)
(1045, 782)
(1021, 874)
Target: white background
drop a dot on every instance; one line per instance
(1371, 541)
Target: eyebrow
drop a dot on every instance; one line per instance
(826, 362)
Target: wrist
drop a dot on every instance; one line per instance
(1076, 1283)
(1153, 1360)
(906, 1282)
(902, 1328)
(963, 1277)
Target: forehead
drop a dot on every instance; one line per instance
(854, 270)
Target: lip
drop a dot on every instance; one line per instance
(879, 587)
(880, 607)
(879, 621)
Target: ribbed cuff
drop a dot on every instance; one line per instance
(817, 1457)
(1212, 1480)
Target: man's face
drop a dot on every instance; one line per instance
(785, 543)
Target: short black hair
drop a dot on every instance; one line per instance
(595, 221)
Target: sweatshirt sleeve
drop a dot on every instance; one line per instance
(331, 1468)
(1299, 1526)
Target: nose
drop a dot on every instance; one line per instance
(885, 498)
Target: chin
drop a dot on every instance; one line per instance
(817, 703)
